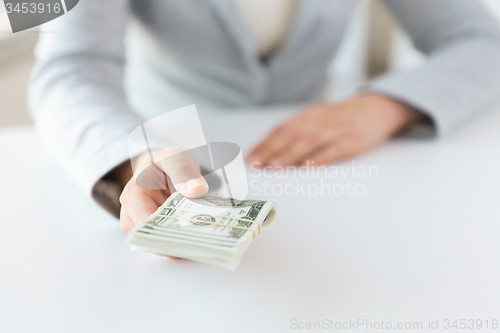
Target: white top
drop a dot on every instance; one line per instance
(269, 22)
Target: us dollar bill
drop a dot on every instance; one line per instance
(192, 215)
(211, 229)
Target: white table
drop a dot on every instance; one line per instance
(421, 244)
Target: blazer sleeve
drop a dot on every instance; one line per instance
(461, 76)
(76, 94)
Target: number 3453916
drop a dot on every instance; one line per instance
(32, 8)
(471, 324)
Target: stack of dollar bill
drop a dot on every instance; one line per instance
(212, 229)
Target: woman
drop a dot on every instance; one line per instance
(221, 53)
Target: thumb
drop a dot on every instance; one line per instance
(184, 173)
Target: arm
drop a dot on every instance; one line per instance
(460, 78)
(76, 93)
(462, 72)
(80, 110)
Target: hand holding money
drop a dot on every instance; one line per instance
(211, 229)
(138, 202)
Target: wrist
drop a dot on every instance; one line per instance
(123, 173)
(400, 114)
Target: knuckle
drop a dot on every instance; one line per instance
(172, 150)
(182, 168)
(276, 132)
(316, 137)
(170, 153)
(345, 147)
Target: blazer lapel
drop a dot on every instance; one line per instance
(229, 15)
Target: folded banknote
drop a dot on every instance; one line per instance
(211, 229)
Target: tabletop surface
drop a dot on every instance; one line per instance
(417, 242)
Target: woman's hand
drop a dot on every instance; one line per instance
(327, 133)
(180, 171)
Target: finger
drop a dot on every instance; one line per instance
(138, 204)
(331, 153)
(147, 174)
(301, 147)
(169, 186)
(274, 142)
(126, 223)
(158, 196)
(184, 172)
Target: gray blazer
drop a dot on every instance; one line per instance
(201, 51)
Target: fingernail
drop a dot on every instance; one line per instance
(194, 182)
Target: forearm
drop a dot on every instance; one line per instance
(460, 77)
(76, 93)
